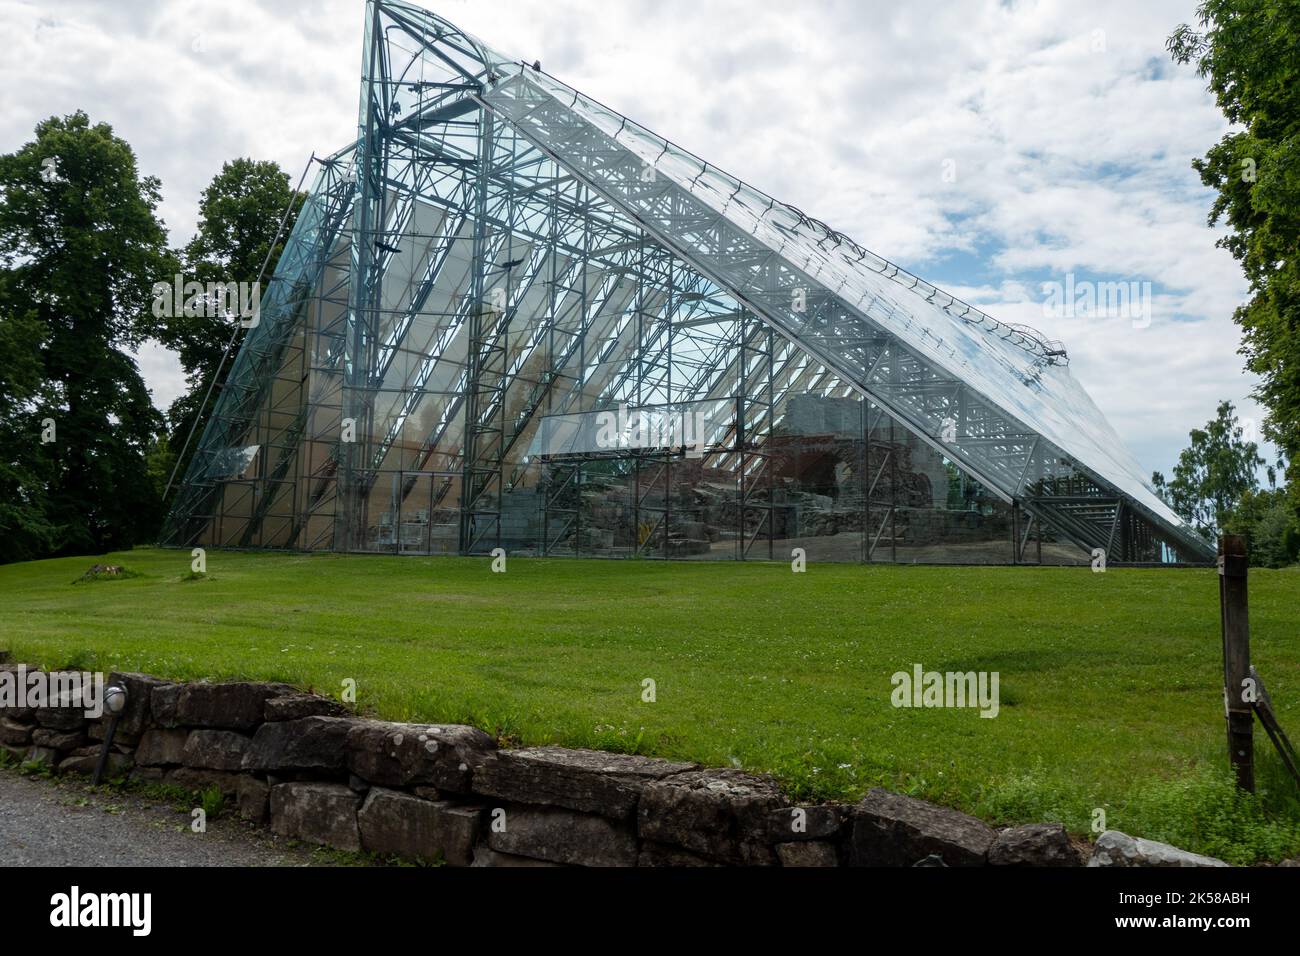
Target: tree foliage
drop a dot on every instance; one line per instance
(1216, 487)
(1267, 520)
(1213, 474)
(80, 248)
(1249, 53)
(25, 529)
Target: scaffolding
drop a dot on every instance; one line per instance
(499, 267)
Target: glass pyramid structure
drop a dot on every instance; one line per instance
(510, 317)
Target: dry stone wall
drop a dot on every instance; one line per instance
(446, 794)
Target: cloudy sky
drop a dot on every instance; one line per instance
(991, 147)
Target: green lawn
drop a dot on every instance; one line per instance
(1110, 683)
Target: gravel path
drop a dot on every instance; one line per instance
(64, 823)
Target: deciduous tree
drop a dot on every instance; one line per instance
(1249, 52)
(81, 246)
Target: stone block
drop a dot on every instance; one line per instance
(719, 814)
(563, 836)
(15, 734)
(403, 755)
(299, 706)
(58, 739)
(807, 824)
(117, 765)
(1119, 849)
(399, 824)
(215, 750)
(485, 856)
(313, 743)
(1039, 844)
(584, 780)
(323, 813)
(239, 706)
(808, 855)
(893, 830)
(161, 748)
(254, 799)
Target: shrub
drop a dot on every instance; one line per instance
(1205, 812)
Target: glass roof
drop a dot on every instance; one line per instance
(1013, 368)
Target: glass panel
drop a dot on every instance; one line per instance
(818, 466)
(502, 306)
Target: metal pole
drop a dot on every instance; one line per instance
(104, 751)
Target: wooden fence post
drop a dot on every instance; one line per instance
(1233, 565)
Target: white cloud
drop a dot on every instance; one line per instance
(1070, 158)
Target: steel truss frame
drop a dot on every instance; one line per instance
(496, 249)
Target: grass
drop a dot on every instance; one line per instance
(1110, 683)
